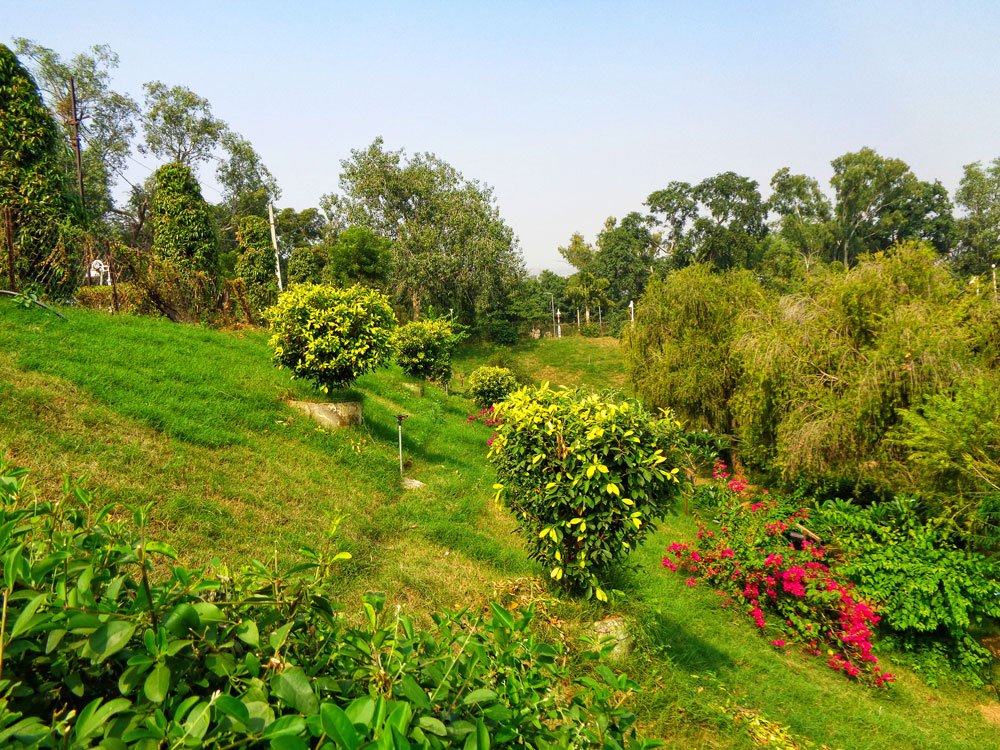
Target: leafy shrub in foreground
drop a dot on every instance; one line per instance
(788, 587)
(330, 335)
(488, 385)
(931, 593)
(100, 652)
(424, 349)
(585, 477)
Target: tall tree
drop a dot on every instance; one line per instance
(255, 262)
(978, 230)
(587, 291)
(450, 246)
(721, 220)
(104, 119)
(179, 125)
(33, 190)
(625, 256)
(578, 253)
(804, 215)
(359, 256)
(247, 185)
(881, 202)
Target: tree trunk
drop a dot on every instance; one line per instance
(415, 300)
(586, 314)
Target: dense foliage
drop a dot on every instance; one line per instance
(32, 186)
(489, 384)
(329, 335)
(875, 378)
(789, 589)
(255, 261)
(183, 232)
(109, 641)
(933, 596)
(424, 349)
(585, 477)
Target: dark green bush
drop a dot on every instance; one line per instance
(591, 330)
(100, 651)
(932, 595)
(488, 385)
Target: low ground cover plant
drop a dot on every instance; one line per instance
(329, 335)
(933, 595)
(101, 649)
(585, 476)
(764, 560)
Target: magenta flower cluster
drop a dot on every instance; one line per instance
(782, 586)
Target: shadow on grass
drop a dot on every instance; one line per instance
(687, 650)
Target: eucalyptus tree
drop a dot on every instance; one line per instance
(450, 246)
(881, 202)
(721, 220)
(978, 229)
(103, 119)
(178, 125)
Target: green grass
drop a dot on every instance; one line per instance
(195, 422)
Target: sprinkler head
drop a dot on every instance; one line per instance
(401, 417)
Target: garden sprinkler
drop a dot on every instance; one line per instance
(399, 422)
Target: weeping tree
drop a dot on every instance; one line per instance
(36, 212)
(680, 353)
(828, 372)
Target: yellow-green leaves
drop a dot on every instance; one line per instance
(583, 475)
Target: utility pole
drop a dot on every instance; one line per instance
(552, 303)
(76, 138)
(274, 242)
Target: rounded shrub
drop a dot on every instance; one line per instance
(488, 385)
(330, 335)
(585, 478)
(424, 349)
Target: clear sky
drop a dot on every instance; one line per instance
(572, 111)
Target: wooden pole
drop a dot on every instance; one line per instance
(274, 242)
(76, 140)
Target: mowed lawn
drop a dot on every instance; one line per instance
(196, 423)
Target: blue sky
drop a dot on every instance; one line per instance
(573, 112)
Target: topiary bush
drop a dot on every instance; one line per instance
(110, 642)
(488, 385)
(585, 477)
(330, 335)
(424, 349)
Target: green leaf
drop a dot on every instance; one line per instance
(94, 715)
(482, 695)
(157, 683)
(432, 725)
(161, 548)
(197, 721)
(247, 632)
(294, 688)
(338, 726)
(233, 708)
(24, 620)
(414, 693)
(110, 638)
(285, 726)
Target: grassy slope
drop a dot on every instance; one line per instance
(195, 422)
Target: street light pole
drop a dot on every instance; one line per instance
(552, 303)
